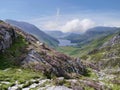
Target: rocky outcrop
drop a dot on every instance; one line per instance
(7, 36)
(113, 41)
(39, 57)
(50, 62)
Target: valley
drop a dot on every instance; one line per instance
(59, 45)
(28, 64)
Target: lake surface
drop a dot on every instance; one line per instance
(64, 42)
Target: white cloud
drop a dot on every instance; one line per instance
(50, 26)
(75, 22)
(77, 25)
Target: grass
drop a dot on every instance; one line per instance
(16, 74)
(9, 57)
(69, 50)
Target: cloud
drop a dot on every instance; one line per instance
(77, 25)
(50, 26)
(79, 22)
(74, 25)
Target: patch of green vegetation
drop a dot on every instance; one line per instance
(92, 74)
(10, 56)
(69, 50)
(4, 87)
(84, 48)
(115, 87)
(20, 75)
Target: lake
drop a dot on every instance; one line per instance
(64, 42)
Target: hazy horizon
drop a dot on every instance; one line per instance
(63, 15)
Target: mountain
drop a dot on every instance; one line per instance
(91, 34)
(57, 34)
(86, 42)
(31, 29)
(26, 63)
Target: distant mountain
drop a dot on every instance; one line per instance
(57, 34)
(32, 29)
(91, 34)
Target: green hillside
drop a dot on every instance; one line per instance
(85, 48)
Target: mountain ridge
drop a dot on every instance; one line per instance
(32, 29)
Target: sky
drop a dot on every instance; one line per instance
(64, 15)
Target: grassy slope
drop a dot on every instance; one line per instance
(84, 49)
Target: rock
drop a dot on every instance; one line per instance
(7, 36)
(4, 82)
(59, 64)
(77, 88)
(113, 41)
(58, 88)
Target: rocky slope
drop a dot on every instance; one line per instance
(38, 56)
(108, 55)
(105, 60)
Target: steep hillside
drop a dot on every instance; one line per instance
(31, 29)
(107, 59)
(108, 55)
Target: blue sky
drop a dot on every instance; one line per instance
(62, 14)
